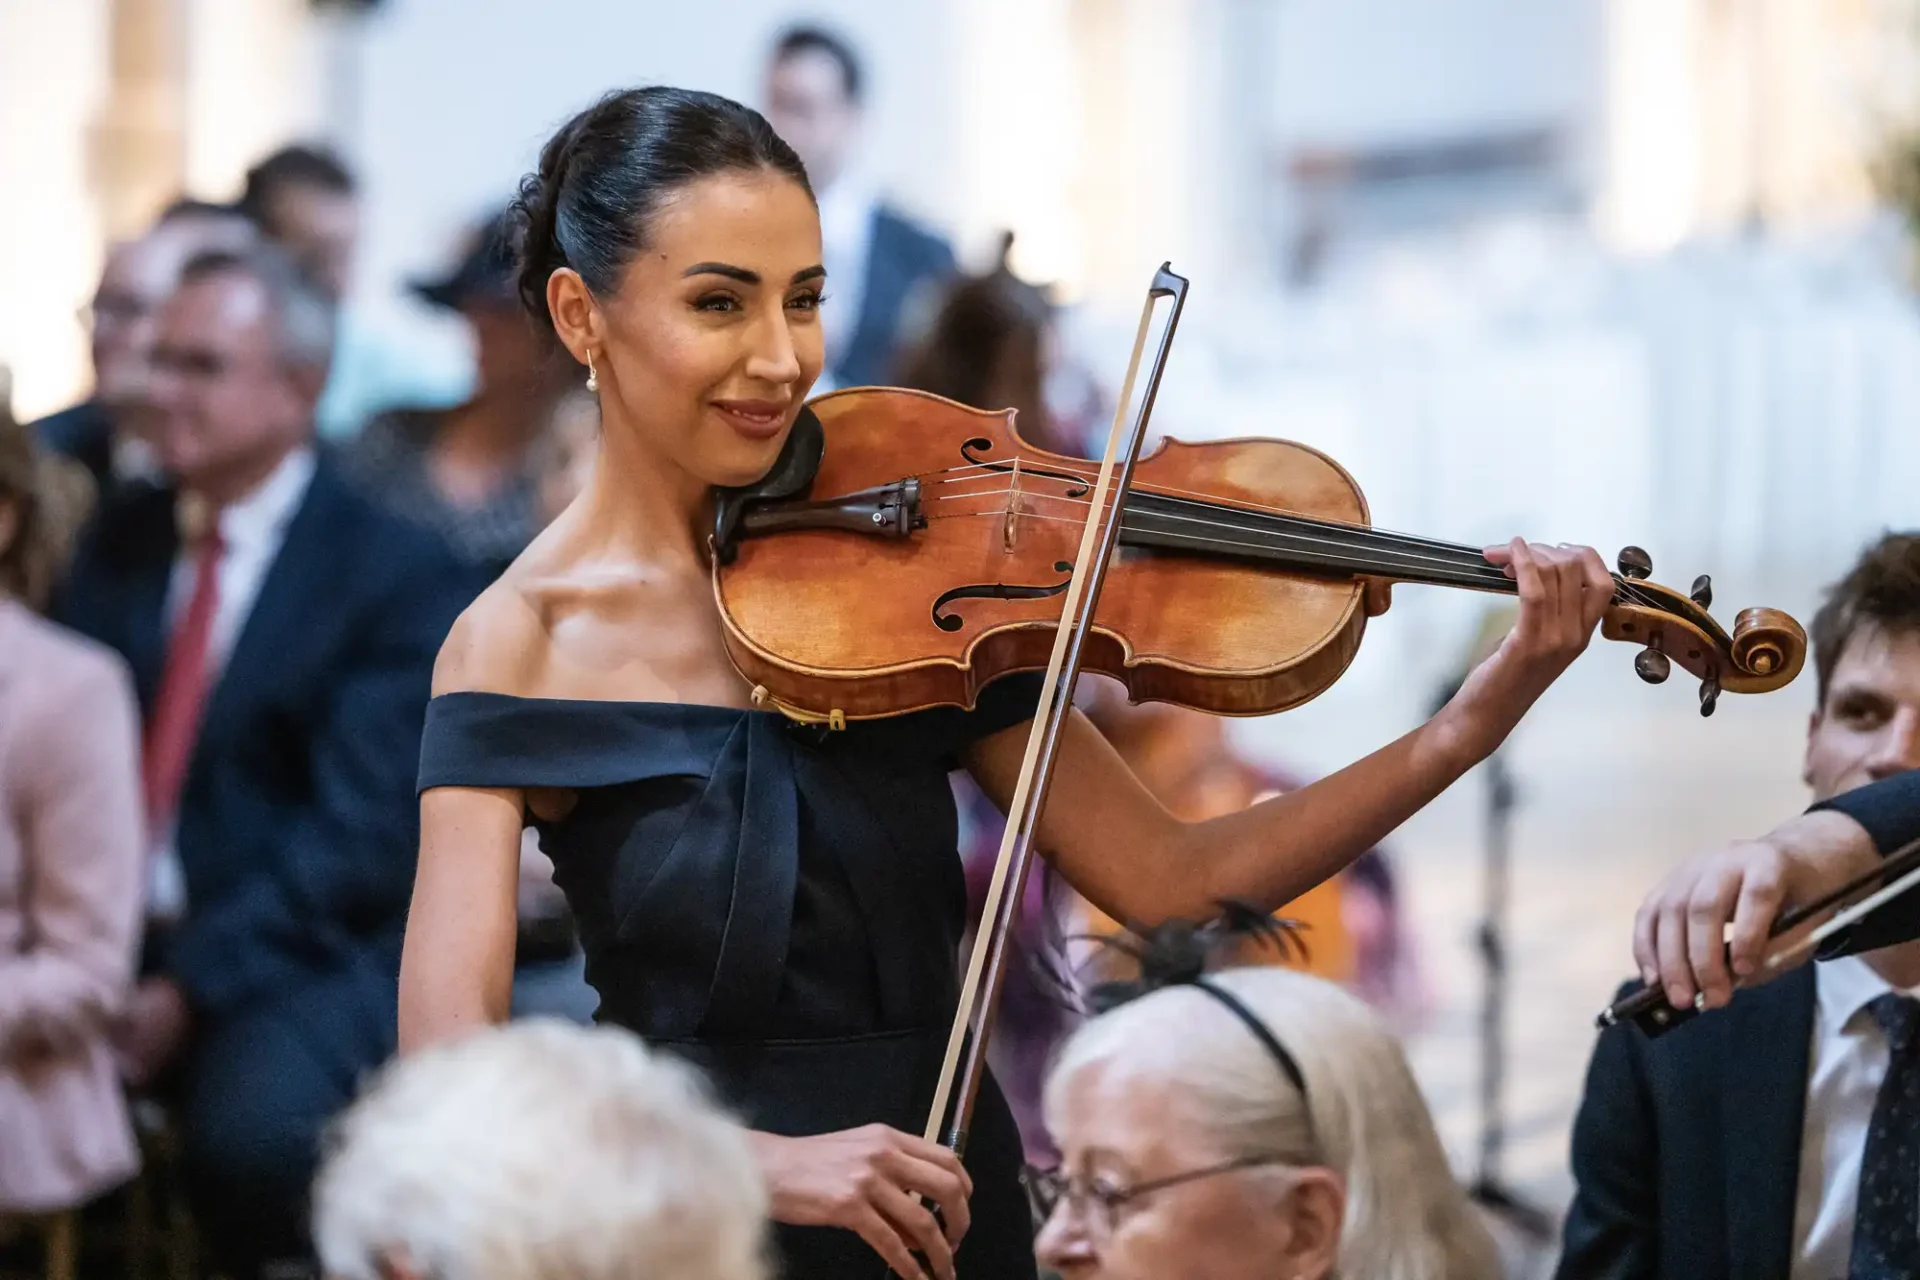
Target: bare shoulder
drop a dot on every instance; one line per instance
(577, 618)
(497, 645)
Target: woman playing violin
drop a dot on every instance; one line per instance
(782, 904)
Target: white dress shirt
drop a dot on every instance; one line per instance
(251, 530)
(1848, 1062)
(847, 209)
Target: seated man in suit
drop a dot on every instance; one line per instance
(1777, 1139)
(282, 631)
(135, 279)
(885, 269)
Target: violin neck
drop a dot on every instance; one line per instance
(1170, 523)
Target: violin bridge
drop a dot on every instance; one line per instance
(1013, 509)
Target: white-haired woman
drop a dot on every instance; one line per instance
(1255, 1124)
(539, 1150)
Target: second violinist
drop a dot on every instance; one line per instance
(783, 904)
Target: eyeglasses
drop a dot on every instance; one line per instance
(112, 309)
(1099, 1199)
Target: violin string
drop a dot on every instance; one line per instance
(1206, 541)
(1004, 470)
(1491, 574)
(1469, 558)
(1477, 565)
(1480, 566)
(1203, 501)
(1057, 472)
(1468, 555)
(1203, 541)
(1462, 555)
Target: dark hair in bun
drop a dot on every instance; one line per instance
(605, 172)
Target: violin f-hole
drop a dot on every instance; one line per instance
(995, 591)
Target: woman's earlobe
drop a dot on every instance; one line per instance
(575, 316)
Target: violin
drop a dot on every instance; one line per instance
(905, 550)
(936, 557)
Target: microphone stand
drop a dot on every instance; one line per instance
(1487, 1187)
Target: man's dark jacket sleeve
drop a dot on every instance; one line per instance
(1890, 811)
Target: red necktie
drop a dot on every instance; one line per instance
(175, 723)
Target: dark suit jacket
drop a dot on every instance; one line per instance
(1686, 1149)
(297, 825)
(902, 259)
(84, 434)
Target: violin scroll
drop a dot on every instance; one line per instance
(1765, 642)
(1765, 650)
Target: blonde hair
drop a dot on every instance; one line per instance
(1363, 1116)
(540, 1150)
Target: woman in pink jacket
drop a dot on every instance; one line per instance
(70, 864)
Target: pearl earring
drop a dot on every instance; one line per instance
(593, 378)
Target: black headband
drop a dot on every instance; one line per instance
(1234, 1005)
(1175, 952)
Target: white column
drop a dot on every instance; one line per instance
(255, 81)
(1021, 139)
(53, 82)
(1652, 123)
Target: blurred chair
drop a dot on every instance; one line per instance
(58, 1235)
(159, 1221)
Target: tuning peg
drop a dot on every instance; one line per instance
(1652, 666)
(1702, 592)
(1709, 695)
(1634, 563)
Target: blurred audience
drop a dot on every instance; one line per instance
(70, 857)
(281, 630)
(1821, 1066)
(1353, 931)
(304, 199)
(568, 452)
(882, 268)
(473, 471)
(478, 475)
(598, 1159)
(102, 431)
(995, 342)
(1251, 1124)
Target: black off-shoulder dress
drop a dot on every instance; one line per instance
(780, 904)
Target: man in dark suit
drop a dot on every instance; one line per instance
(1776, 1139)
(884, 271)
(136, 278)
(282, 632)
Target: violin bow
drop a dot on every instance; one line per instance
(1898, 873)
(965, 1062)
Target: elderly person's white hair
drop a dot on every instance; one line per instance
(540, 1151)
(1406, 1215)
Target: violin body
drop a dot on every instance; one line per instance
(940, 554)
(905, 550)
(826, 621)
